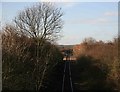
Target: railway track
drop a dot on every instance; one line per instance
(67, 81)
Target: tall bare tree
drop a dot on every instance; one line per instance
(41, 22)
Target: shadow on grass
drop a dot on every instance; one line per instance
(89, 74)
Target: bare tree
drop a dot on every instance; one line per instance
(40, 22)
(89, 40)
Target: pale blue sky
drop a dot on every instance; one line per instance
(82, 19)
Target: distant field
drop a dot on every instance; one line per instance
(66, 46)
(71, 58)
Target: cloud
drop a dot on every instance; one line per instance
(100, 20)
(95, 21)
(69, 4)
(59, 0)
(111, 13)
(66, 5)
(88, 21)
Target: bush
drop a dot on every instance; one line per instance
(106, 54)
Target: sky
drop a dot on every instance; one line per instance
(81, 19)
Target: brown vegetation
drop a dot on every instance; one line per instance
(28, 49)
(105, 57)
